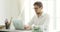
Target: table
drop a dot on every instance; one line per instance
(2, 26)
(7, 30)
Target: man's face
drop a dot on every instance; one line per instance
(37, 9)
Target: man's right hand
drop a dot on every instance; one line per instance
(27, 27)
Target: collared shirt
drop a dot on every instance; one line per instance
(42, 21)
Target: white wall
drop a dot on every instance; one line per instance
(11, 8)
(58, 15)
(2, 8)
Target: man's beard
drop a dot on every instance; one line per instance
(38, 13)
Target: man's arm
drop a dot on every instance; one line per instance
(46, 23)
(29, 26)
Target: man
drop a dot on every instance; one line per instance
(41, 19)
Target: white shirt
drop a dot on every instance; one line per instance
(42, 21)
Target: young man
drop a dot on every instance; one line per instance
(41, 19)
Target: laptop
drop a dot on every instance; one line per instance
(18, 24)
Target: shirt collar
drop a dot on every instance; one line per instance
(40, 16)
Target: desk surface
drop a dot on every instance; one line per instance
(16, 30)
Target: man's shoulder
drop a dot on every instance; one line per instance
(45, 14)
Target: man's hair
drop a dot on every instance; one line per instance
(38, 4)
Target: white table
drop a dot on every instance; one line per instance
(17, 30)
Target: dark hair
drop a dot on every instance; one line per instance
(38, 4)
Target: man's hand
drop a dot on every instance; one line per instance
(27, 27)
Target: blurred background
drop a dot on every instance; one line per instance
(23, 9)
